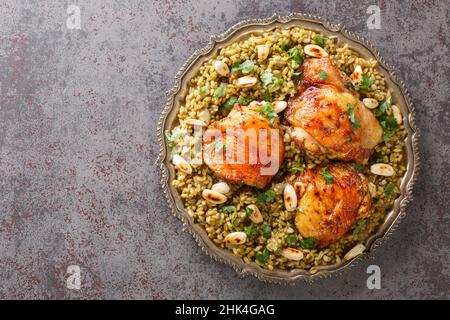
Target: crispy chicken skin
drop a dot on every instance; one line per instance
(321, 115)
(243, 148)
(326, 212)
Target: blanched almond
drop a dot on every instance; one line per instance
(195, 122)
(235, 238)
(279, 106)
(263, 51)
(372, 189)
(382, 169)
(246, 82)
(221, 187)
(213, 196)
(290, 198)
(370, 103)
(255, 215)
(356, 76)
(397, 114)
(221, 68)
(315, 51)
(292, 254)
(355, 251)
(181, 164)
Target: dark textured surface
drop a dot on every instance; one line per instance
(78, 181)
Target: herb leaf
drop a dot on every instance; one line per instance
(326, 175)
(266, 230)
(262, 257)
(322, 75)
(360, 225)
(352, 116)
(220, 91)
(266, 96)
(231, 101)
(299, 166)
(390, 187)
(169, 138)
(228, 209)
(297, 75)
(382, 108)
(267, 196)
(320, 40)
(296, 57)
(203, 91)
(266, 78)
(268, 112)
(248, 211)
(366, 83)
(357, 166)
(244, 100)
(284, 46)
(251, 231)
(308, 243)
(291, 240)
(246, 67)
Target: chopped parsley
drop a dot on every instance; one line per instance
(266, 230)
(246, 67)
(244, 100)
(203, 91)
(297, 75)
(382, 108)
(266, 78)
(357, 166)
(228, 209)
(366, 83)
(248, 211)
(220, 91)
(352, 116)
(296, 57)
(267, 196)
(320, 40)
(291, 240)
(251, 231)
(231, 101)
(326, 175)
(299, 166)
(262, 257)
(308, 243)
(171, 137)
(268, 112)
(389, 126)
(284, 46)
(390, 187)
(359, 226)
(270, 82)
(266, 96)
(322, 75)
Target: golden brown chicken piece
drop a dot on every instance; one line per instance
(327, 116)
(331, 199)
(245, 147)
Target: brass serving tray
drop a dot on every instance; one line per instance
(176, 97)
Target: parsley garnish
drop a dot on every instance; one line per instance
(359, 226)
(382, 108)
(246, 67)
(267, 196)
(390, 187)
(248, 211)
(244, 100)
(262, 257)
(366, 83)
(251, 231)
(231, 101)
(320, 40)
(291, 240)
(326, 175)
(170, 139)
(297, 75)
(296, 57)
(298, 166)
(358, 167)
(322, 75)
(203, 91)
(266, 230)
(268, 112)
(283, 46)
(308, 243)
(266, 96)
(352, 116)
(228, 209)
(266, 78)
(220, 91)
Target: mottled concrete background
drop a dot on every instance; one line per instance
(78, 181)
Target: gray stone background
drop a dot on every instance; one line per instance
(78, 181)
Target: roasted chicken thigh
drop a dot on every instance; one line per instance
(327, 116)
(245, 147)
(331, 199)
